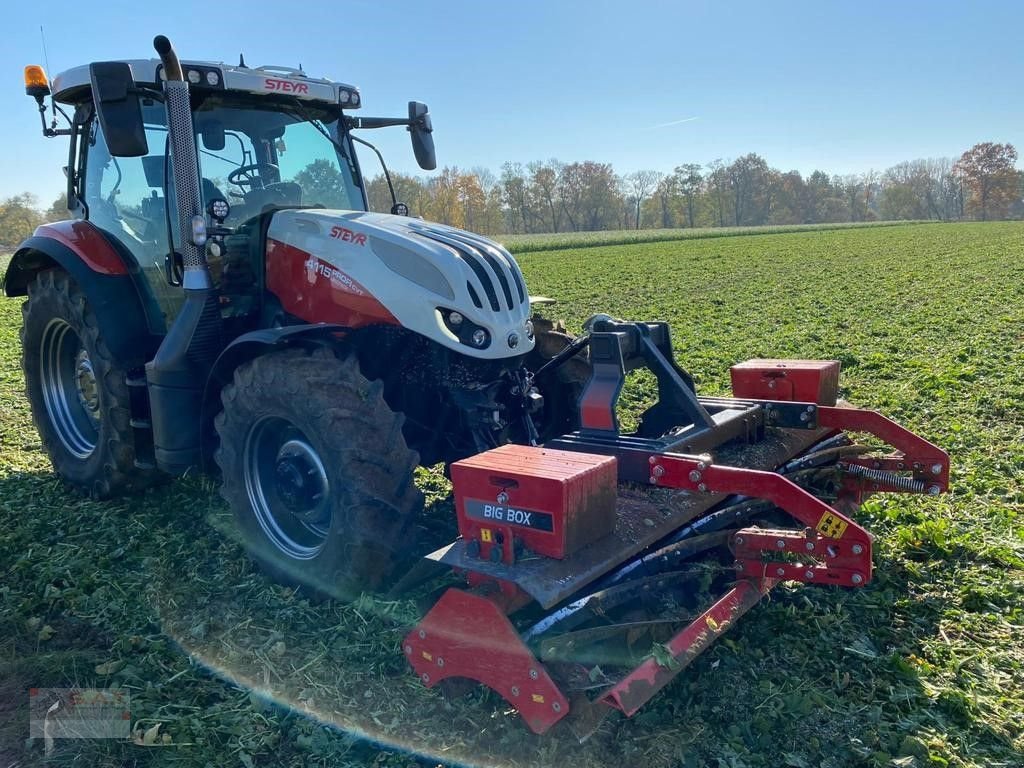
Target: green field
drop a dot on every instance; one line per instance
(567, 240)
(924, 667)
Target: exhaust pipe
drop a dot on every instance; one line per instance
(177, 374)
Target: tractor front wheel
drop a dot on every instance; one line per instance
(317, 472)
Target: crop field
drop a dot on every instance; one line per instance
(924, 667)
(562, 240)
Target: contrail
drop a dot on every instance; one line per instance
(674, 122)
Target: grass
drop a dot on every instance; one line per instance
(569, 240)
(924, 667)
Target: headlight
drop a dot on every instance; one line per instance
(464, 329)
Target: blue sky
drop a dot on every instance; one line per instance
(845, 87)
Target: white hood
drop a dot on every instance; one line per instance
(416, 270)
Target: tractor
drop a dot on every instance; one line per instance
(222, 300)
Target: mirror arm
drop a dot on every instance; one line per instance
(376, 122)
(387, 176)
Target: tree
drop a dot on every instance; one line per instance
(544, 192)
(691, 182)
(748, 180)
(58, 210)
(589, 195)
(988, 172)
(322, 183)
(667, 195)
(718, 189)
(18, 218)
(446, 199)
(641, 184)
(789, 195)
(817, 189)
(514, 195)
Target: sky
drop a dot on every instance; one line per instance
(841, 86)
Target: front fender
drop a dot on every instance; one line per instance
(251, 345)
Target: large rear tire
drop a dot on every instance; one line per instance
(317, 472)
(77, 390)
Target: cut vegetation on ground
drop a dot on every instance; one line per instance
(925, 667)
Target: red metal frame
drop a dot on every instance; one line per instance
(634, 690)
(469, 635)
(927, 463)
(844, 548)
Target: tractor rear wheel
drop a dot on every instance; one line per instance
(77, 390)
(317, 472)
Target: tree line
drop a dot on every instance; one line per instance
(552, 196)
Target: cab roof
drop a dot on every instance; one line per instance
(74, 85)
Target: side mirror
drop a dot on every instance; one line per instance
(212, 132)
(118, 108)
(421, 130)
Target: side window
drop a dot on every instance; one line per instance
(125, 196)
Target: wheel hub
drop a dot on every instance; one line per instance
(288, 488)
(300, 481)
(85, 383)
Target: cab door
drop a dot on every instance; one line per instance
(125, 197)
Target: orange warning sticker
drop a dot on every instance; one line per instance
(537, 698)
(832, 526)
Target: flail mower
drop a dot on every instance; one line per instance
(314, 354)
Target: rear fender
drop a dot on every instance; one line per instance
(103, 274)
(251, 345)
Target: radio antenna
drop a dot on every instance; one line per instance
(46, 61)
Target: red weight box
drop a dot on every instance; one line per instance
(802, 381)
(550, 502)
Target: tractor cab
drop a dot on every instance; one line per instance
(267, 138)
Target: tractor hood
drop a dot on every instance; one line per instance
(361, 268)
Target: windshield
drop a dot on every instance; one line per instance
(255, 152)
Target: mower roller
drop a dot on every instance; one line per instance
(773, 489)
(312, 354)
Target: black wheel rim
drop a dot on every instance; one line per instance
(287, 486)
(70, 389)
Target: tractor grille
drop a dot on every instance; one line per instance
(493, 266)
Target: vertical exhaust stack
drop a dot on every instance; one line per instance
(177, 374)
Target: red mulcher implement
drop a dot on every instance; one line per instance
(543, 528)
